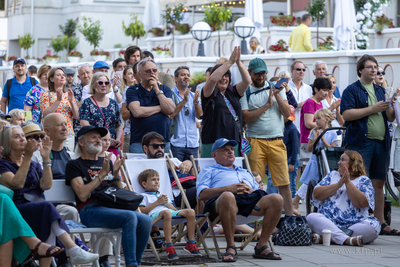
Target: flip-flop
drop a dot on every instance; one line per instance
(234, 256)
(35, 252)
(391, 232)
(270, 256)
(360, 241)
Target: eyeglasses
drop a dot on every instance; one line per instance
(36, 137)
(372, 67)
(226, 75)
(82, 65)
(186, 110)
(149, 71)
(227, 149)
(259, 74)
(156, 146)
(261, 182)
(70, 75)
(380, 73)
(106, 83)
(300, 69)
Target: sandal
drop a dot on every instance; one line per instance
(384, 232)
(270, 256)
(360, 241)
(35, 252)
(234, 256)
(317, 240)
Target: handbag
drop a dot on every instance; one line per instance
(111, 196)
(187, 180)
(245, 146)
(294, 231)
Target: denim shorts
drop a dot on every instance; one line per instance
(375, 156)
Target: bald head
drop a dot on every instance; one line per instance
(56, 127)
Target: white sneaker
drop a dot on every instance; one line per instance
(82, 257)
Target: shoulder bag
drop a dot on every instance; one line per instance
(294, 231)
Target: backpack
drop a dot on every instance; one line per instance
(8, 86)
(173, 127)
(248, 93)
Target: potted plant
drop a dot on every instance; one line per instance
(135, 29)
(31, 60)
(68, 30)
(318, 12)
(52, 59)
(26, 42)
(99, 55)
(121, 53)
(183, 28)
(327, 45)
(215, 16)
(92, 32)
(157, 31)
(283, 20)
(281, 46)
(74, 56)
(381, 22)
(10, 61)
(58, 43)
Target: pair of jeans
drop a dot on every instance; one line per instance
(138, 148)
(183, 153)
(135, 226)
(292, 177)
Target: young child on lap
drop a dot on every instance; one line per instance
(155, 204)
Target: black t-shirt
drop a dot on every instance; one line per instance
(219, 123)
(87, 169)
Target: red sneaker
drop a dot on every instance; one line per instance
(171, 253)
(192, 249)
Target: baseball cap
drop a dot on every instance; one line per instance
(70, 71)
(100, 64)
(19, 60)
(257, 65)
(292, 116)
(221, 142)
(85, 129)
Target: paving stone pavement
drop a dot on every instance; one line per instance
(385, 251)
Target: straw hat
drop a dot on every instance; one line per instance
(32, 129)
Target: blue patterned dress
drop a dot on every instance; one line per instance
(340, 210)
(32, 99)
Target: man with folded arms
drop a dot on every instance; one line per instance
(230, 190)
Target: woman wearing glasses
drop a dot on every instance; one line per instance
(60, 100)
(29, 181)
(222, 116)
(32, 99)
(380, 77)
(101, 111)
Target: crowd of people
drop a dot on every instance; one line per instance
(52, 128)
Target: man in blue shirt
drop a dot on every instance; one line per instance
(149, 103)
(366, 113)
(20, 85)
(184, 134)
(230, 190)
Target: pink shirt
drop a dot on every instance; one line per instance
(309, 106)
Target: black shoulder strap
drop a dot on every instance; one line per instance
(8, 90)
(33, 81)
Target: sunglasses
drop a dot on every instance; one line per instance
(300, 69)
(106, 83)
(82, 65)
(380, 73)
(37, 137)
(156, 146)
(70, 75)
(186, 110)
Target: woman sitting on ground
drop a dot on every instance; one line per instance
(343, 199)
(29, 181)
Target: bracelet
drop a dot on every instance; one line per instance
(99, 179)
(196, 103)
(47, 164)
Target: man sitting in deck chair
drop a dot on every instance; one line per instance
(154, 203)
(230, 190)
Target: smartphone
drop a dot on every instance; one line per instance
(346, 231)
(392, 99)
(28, 115)
(279, 83)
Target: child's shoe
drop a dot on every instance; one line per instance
(192, 249)
(171, 253)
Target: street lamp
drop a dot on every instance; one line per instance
(244, 28)
(3, 51)
(201, 31)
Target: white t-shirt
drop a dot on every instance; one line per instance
(335, 122)
(301, 95)
(151, 197)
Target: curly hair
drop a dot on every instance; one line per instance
(356, 163)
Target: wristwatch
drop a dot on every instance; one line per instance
(160, 92)
(116, 90)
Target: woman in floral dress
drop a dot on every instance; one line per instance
(343, 199)
(101, 111)
(32, 99)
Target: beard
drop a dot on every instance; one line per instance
(157, 155)
(258, 85)
(93, 148)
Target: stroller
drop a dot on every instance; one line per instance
(327, 159)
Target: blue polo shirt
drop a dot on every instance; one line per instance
(158, 122)
(186, 129)
(215, 176)
(356, 96)
(17, 93)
